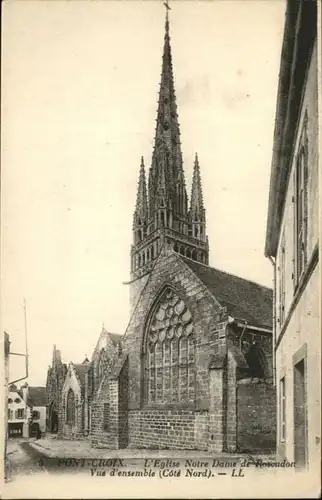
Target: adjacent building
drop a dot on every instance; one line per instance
(37, 397)
(19, 413)
(194, 368)
(292, 240)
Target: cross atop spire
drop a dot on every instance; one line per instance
(167, 6)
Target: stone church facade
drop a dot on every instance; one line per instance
(194, 368)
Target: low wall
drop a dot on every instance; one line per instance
(256, 416)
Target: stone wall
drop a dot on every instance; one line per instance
(256, 416)
(104, 411)
(123, 388)
(161, 429)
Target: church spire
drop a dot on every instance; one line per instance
(161, 218)
(167, 156)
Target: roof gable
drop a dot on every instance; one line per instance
(244, 299)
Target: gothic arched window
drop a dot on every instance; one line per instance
(169, 353)
(70, 407)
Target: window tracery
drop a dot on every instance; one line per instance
(169, 354)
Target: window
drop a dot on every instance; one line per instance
(20, 414)
(169, 353)
(35, 415)
(9, 401)
(17, 400)
(70, 409)
(281, 270)
(282, 410)
(106, 417)
(10, 414)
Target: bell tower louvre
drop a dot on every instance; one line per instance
(162, 216)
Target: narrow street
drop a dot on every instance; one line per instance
(23, 459)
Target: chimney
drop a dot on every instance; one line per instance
(25, 390)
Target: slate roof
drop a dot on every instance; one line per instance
(20, 393)
(116, 337)
(244, 299)
(38, 396)
(80, 369)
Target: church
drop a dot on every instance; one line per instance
(194, 368)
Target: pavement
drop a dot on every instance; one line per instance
(62, 448)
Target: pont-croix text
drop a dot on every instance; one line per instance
(168, 468)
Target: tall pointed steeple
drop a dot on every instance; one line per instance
(167, 156)
(161, 217)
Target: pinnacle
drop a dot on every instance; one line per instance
(141, 197)
(196, 190)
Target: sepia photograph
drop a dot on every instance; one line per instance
(160, 301)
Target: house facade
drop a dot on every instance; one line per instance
(292, 241)
(19, 413)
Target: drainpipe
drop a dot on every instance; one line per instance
(242, 334)
(26, 349)
(274, 317)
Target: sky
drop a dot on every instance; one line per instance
(79, 97)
